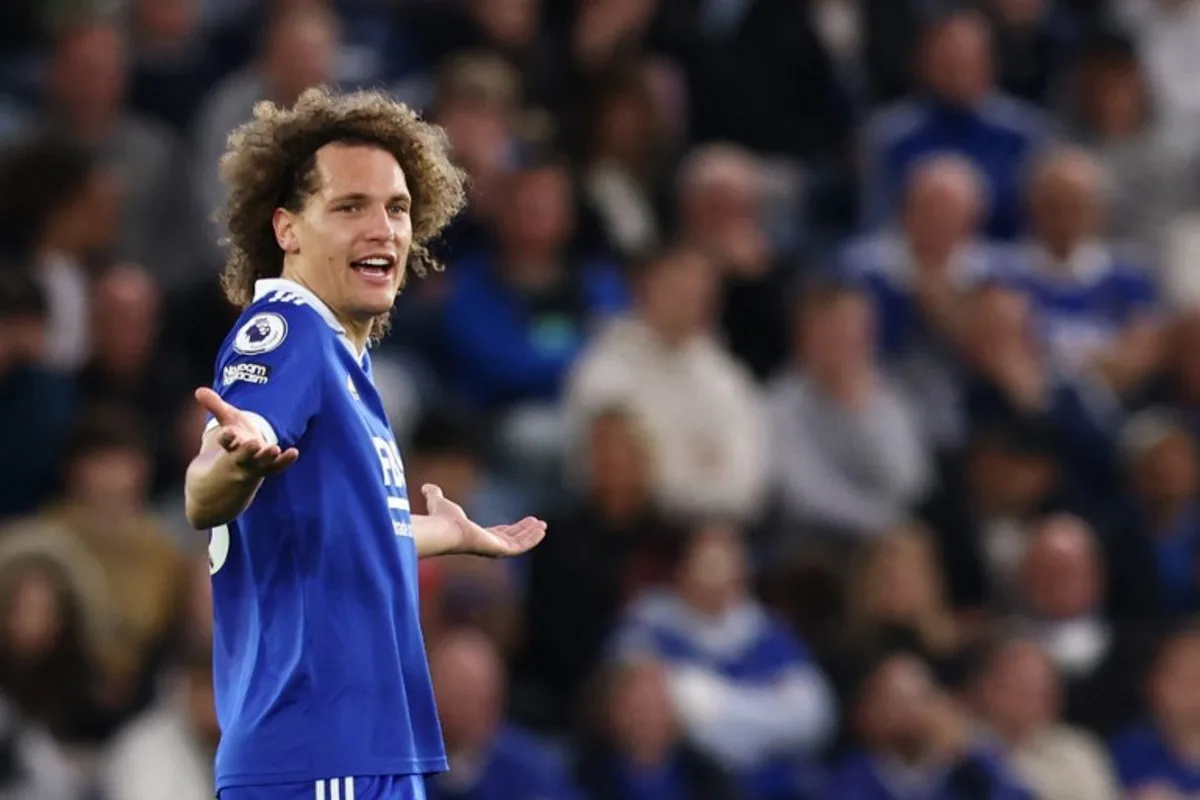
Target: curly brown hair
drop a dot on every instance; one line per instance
(270, 163)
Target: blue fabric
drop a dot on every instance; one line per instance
(506, 348)
(319, 663)
(404, 787)
(1000, 137)
(1142, 759)
(517, 767)
(979, 777)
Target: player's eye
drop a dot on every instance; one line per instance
(397, 209)
(348, 207)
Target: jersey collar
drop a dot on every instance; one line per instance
(265, 286)
(268, 285)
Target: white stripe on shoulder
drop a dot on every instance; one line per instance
(320, 790)
(349, 793)
(260, 422)
(335, 789)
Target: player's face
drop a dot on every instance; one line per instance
(352, 237)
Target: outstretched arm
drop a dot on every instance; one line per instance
(447, 530)
(234, 458)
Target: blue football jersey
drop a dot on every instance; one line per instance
(319, 662)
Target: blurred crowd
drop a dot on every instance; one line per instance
(850, 347)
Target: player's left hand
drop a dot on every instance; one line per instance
(501, 541)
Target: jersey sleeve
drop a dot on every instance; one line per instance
(270, 368)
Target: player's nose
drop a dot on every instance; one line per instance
(380, 227)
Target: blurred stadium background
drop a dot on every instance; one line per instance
(851, 348)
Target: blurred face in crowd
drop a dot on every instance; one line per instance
(1114, 98)
(34, 618)
(1065, 202)
(511, 24)
(359, 209)
(837, 333)
(629, 127)
(480, 135)
(164, 23)
(1019, 693)
(893, 709)
(1166, 473)
(468, 681)
(113, 479)
(641, 721)
(1007, 481)
(942, 209)
(22, 340)
(89, 74)
(454, 471)
(619, 464)
(721, 210)
(712, 577)
(539, 218)
(899, 580)
(957, 59)
(1174, 691)
(301, 52)
(87, 224)
(124, 321)
(678, 296)
(1018, 13)
(1061, 573)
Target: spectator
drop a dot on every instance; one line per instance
(36, 403)
(744, 688)
(513, 325)
(634, 746)
(848, 458)
(55, 615)
(628, 147)
(175, 62)
(1059, 605)
(607, 550)
(1018, 695)
(721, 207)
(895, 593)
(962, 112)
(1011, 378)
(300, 51)
(57, 212)
(166, 752)
(1155, 759)
(1096, 311)
(917, 273)
(915, 741)
(103, 510)
(699, 407)
(1010, 475)
(478, 103)
(489, 759)
(1152, 182)
(1157, 556)
(87, 84)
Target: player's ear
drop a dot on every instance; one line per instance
(284, 223)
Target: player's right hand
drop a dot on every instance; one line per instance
(241, 439)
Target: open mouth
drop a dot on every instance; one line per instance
(374, 266)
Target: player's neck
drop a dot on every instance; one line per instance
(358, 331)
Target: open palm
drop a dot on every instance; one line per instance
(500, 541)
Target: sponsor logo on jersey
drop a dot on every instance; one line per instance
(258, 374)
(261, 334)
